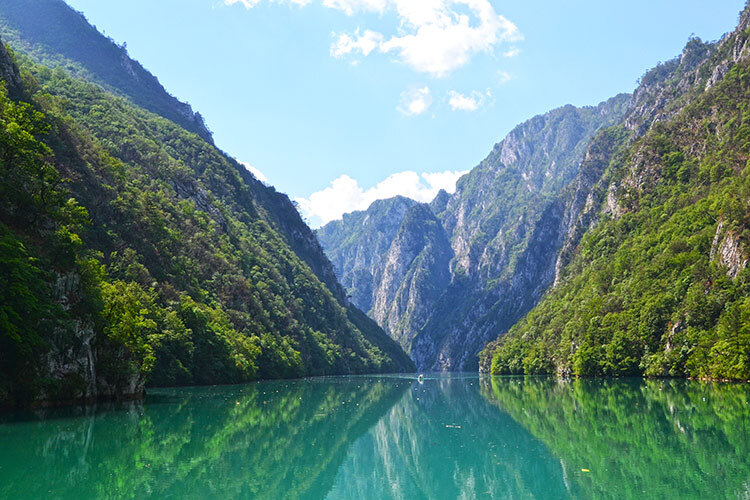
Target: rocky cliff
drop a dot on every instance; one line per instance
(492, 244)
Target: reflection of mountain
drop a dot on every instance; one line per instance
(266, 440)
(639, 439)
(412, 454)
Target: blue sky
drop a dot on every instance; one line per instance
(340, 102)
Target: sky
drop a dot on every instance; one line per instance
(341, 102)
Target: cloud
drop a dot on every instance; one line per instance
(352, 6)
(345, 195)
(249, 4)
(472, 102)
(256, 173)
(504, 77)
(432, 36)
(364, 44)
(415, 101)
(512, 52)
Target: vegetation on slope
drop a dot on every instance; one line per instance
(123, 232)
(55, 35)
(660, 286)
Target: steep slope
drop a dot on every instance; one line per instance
(357, 243)
(653, 278)
(55, 35)
(415, 275)
(504, 227)
(132, 250)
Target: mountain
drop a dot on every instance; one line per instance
(357, 243)
(53, 34)
(134, 252)
(653, 279)
(472, 263)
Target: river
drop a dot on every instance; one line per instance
(391, 437)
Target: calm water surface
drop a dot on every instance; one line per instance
(392, 437)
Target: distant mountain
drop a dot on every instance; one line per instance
(53, 34)
(652, 278)
(470, 264)
(134, 252)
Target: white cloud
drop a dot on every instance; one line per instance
(504, 77)
(257, 173)
(345, 195)
(364, 44)
(512, 52)
(437, 39)
(415, 101)
(472, 102)
(249, 4)
(432, 36)
(352, 6)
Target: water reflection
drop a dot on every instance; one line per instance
(638, 439)
(445, 441)
(392, 438)
(267, 440)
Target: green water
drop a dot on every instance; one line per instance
(391, 437)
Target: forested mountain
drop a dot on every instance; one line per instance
(55, 35)
(444, 278)
(132, 251)
(653, 279)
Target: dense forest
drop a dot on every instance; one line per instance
(133, 251)
(659, 284)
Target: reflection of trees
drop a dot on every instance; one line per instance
(267, 440)
(411, 454)
(655, 438)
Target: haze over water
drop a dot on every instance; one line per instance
(391, 437)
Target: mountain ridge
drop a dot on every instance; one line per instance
(134, 252)
(56, 35)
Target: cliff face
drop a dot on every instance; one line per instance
(357, 244)
(415, 275)
(450, 281)
(9, 72)
(517, 222)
